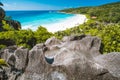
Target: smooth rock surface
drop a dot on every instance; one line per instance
(75, 58)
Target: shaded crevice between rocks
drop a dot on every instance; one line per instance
(81, 61)
(27, 60)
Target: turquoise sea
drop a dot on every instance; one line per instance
(33, 19)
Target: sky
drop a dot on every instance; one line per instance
(50, 4)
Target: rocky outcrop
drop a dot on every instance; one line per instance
(2, 13)
(73, 58)
(110, 61)
(13, 23)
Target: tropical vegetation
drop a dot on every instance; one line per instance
(26, 38)
(103, 21)
(108, 13)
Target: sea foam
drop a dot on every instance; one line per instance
(66, 23)
(52, 21)
(63, 24)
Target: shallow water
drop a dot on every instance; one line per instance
(33, 19)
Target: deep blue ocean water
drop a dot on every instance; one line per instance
(33, 19)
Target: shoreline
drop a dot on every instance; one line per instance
(67, 23)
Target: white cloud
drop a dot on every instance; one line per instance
(7, 5)
(30, 6)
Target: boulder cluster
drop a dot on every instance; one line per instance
(72, 58)
(13, 23)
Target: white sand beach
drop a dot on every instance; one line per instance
(67, 23)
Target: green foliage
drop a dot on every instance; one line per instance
(109, 13)
(26, 38)
(104, 22)
(6, 27)
(106, 25)
(110, 34)
(3, 63)
(42, 34)
(2, 46)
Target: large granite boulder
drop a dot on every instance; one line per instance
(2, 13)
(15, 24)
(17, 59)
(110, 61)
(72, 58)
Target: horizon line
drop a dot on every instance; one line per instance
(61, 9)
(33, 10)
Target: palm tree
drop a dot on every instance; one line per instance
(1, 4)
